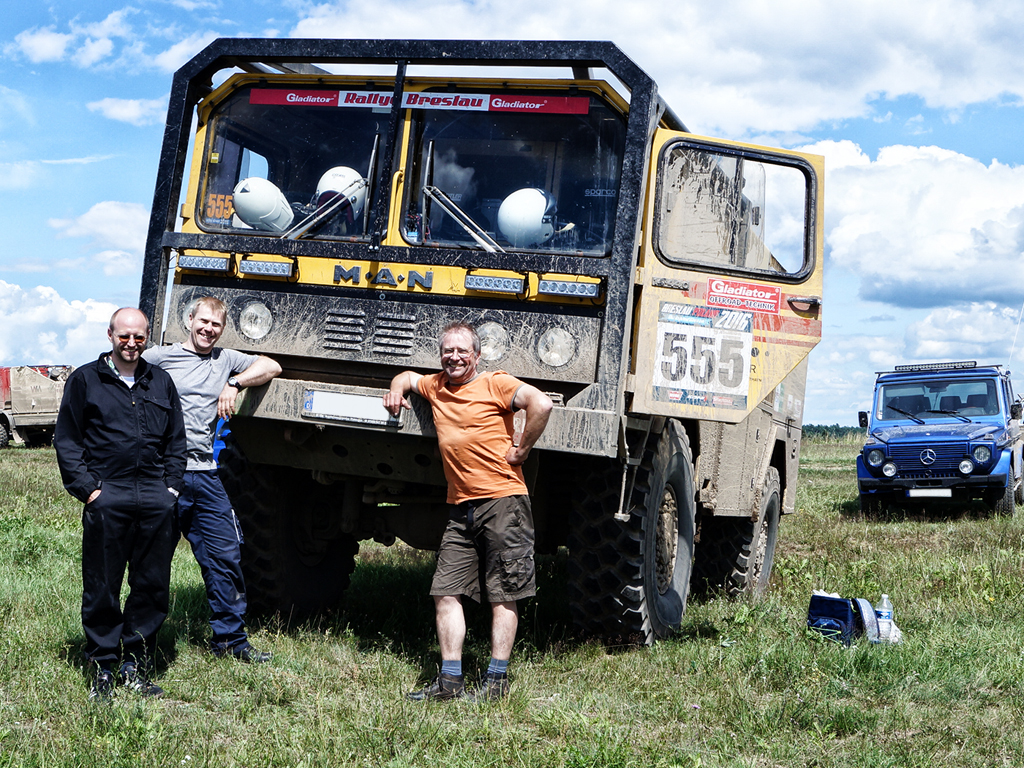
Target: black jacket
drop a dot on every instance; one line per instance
(106, 431)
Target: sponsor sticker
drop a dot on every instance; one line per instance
(749, 296)
(472, 102)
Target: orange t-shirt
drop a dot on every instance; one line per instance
(474, 432)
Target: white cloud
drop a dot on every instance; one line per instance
(93, 51)
(982, 331)
(41, 327)
(924, 226)
(135, 111)
(13, 104)
(110, 224)
(171, 59)
(41, 45)
(18, 175)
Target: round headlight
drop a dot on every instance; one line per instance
(255, 320)
(966, 466)
(556, 347)
(493, 341)
(982, 454)
(889, 470)
(875, 457)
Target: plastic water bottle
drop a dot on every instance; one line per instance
(884, 613)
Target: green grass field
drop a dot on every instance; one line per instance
(743, 683)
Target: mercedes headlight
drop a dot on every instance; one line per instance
(556, 347)
(982, 454)
(966, 466)
(255, 321)
(875, 457)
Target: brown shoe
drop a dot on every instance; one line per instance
(492, 688)
(441, 688)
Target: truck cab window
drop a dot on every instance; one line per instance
(492, 172)
(289, 162)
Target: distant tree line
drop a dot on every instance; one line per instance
(832, 432)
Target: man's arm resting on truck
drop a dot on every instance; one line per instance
(260, 372)
(401, 385)
(537, 407)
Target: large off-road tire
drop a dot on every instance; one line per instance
(295, 558)
(630, 580)
(1018, 494)
(735, 554)
(1006, 506)
(5, 435)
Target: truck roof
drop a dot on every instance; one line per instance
(964, 369)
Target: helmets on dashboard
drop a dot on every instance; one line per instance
(342, 180)
(261, 205)
(527, 217)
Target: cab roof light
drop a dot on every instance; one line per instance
(494, 284)
(960, 365)
(209, 263)
(568, 288)
(272, 268)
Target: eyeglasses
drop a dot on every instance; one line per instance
(462, 354)
(124, 338)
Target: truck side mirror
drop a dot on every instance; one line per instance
(862, 418)
(1015, 410)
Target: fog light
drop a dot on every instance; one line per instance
(493, 341)
(255, 320)
(982, 454)
(966, 466)
(876, 457)
(889, 470)
(556, 347)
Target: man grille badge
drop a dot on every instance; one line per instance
(927, 456)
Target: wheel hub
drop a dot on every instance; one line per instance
(668, 539)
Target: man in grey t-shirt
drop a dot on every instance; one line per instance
(208, 379)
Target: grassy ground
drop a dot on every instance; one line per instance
(743, 684)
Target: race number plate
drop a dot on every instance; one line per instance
(346, 406)
(703, 356)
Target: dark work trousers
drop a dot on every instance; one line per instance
(130, 524)
(209, 523)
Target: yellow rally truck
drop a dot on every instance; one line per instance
(348, 198)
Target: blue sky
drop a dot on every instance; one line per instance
(918, 108)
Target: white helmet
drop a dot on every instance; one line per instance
(261, 205)
(342, 180)
(527, 217)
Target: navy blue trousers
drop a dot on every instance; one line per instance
(129, 525)
(208, 522)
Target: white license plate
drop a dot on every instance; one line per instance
(346, 406)
(935, 493)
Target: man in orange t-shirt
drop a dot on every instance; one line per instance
(490, 532)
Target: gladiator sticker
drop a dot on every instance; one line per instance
(703, 356)
(748, 296)
(472, 102)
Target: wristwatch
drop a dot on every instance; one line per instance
(233, 382)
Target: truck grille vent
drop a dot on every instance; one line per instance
(345, 329)
(947, 458)
(394, 335)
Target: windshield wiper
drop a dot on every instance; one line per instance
(908, 414)
(464, 220)
(954, 414)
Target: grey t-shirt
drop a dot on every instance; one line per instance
(199, 380)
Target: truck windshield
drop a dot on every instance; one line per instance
(291, 162)
(498, 172)
(937, 399)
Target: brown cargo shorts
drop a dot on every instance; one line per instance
(487, 542)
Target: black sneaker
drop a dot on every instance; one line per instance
(135, 680)
(441, 688)
(102, 690)
(245, 653)
(492, 688)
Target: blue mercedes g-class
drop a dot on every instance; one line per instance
(942, 433)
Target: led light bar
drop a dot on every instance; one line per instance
(567, 288)
(936, 366)
(257, 267)
(211, 263)
(494, 284)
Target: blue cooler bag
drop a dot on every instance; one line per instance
(841, 619)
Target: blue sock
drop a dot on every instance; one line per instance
(497, 666)
(451, 667)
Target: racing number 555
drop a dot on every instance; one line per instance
(708, 359)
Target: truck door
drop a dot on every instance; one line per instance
(731, 276)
